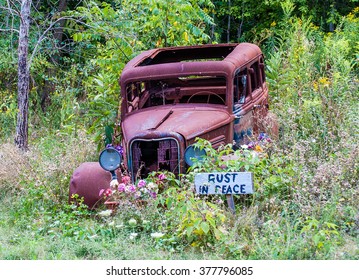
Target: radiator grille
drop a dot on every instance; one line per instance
(156, 155)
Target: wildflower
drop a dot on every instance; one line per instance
(121, 187)
(162, 176)
(113, 183)
(133, 235)
(262, 136)
(324, 81)
(258, 148)
(105, 213)
(244, 146)
(153, 195)
(126, 179)
(132, 188)
(152, 186)
(107, 192)
(138, 194)
(119, 148)
(141, 184)
(132, 222)
(251, 145)
(157, 235)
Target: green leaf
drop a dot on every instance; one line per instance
(205, 227)
(108, 131)
(189, 231)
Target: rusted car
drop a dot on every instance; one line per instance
(171, 96)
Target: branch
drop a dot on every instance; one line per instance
(42, 37)
(10, 30)
(12, 11)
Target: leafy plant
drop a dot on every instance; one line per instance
(197, 221)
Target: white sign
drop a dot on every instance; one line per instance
(224, 183)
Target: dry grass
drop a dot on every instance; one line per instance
(49, 162)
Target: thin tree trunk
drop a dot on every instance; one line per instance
(21, 136)
(229, 22)
(213, 27)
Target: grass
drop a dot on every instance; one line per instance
(306, 201)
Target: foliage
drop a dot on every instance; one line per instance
(197, 221)
(113, 34)
(305, 204)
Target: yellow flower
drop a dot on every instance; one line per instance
(258, 148)
(315, 86)
(324, 81)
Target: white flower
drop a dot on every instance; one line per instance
(132, 222)
(111, 223)
(133, 235)
(152, 186)
(157, 235)
(105, 213)
(244, 146)
(114, 183)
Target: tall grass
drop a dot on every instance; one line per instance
(306, 197)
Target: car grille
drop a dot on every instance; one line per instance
(154, 155)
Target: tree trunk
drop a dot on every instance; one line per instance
(21, 137)
(229, 22)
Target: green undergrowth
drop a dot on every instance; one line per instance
(306, 195)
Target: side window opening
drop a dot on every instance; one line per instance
(261, 67)
(134, 92)
(241, 87)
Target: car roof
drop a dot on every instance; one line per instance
(213, 59)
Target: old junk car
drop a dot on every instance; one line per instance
(171, 96)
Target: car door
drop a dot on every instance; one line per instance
(259, 93)
(242, 108)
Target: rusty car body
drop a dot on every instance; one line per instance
(171, 96)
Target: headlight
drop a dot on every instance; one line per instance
(192, 152)
(110, 159)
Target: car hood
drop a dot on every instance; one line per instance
(190, 122)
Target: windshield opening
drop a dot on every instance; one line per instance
(179, 90)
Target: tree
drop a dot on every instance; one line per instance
(21, 136)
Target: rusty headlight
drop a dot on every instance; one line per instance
(110, 159)
(193, 152)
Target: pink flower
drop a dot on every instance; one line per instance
(141, 184)
(162, 176)
(107, 192)
(126, 179)
(121, 187)
(132, 188)
(153, 194)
